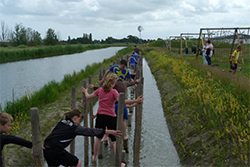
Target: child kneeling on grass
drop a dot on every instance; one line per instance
(61, 136)
(5, 126)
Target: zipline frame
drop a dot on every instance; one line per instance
(236, 34)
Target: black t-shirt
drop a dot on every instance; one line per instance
(137, 50)
(9, 139)
(65, 131)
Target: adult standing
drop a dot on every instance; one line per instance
(209, 51)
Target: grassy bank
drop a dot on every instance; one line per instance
(24, 53)
(53, 100)
(209, 117)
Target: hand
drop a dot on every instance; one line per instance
(84, 90)
(91, 86)
(138, 80)
(233, 65)
(139, 99)
(116, 133)
(94, 116)
(100, 82)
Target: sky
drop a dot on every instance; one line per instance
(120, 18)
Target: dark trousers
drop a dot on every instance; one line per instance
(208, 60)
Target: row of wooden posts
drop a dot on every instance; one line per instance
(121, 153)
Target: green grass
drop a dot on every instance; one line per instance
(11, 54)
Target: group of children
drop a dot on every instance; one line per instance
(69, 127)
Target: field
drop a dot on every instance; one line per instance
(207, 109)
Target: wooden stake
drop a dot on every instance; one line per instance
(73, 106)
(91, 122)
(119, 126)
(198, 45)
(36, 138)
(85, 114)
(129, 119)
(231, 51)
(138, 122)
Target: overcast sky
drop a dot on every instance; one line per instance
(120, 18)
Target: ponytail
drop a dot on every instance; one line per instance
(75, 112)
(109, 82)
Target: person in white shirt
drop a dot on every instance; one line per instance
(209, 51)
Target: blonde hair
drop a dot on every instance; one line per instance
(5, 118)
(109, 82)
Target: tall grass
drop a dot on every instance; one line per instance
(51, 91)
(48, 51)
(216, 108)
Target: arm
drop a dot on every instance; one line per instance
(138, 100)
(7, 139)
(106, 73)
(80, 130)
(88, 96)
(131, 105)
(211, 51)
(135, 60)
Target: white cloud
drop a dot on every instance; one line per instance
(115, 18)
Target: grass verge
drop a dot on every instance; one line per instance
(209, 117)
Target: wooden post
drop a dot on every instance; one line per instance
(170, 44)
(129, 119)
(118, 61)
(73, 105)
(85, 115)
(241, 54)
(121, 57)
(141, 65)
(36, 138)
(91, 122)
(137, 136)
(119, 126)
(100, 148)
(231, 51)
(124, 156)
(198, 45)
(103, 72)
(181, 45)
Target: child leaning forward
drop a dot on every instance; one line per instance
(61, 136)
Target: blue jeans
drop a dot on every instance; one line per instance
(208, 60)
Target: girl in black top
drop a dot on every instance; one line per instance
(5, 126)
(61, 136)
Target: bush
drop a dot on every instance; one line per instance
(158, 43)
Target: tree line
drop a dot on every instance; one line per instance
(21, 35)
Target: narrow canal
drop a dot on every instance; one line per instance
(157, 149)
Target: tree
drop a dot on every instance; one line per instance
(4, 32)
(51, 38)
(19, 35)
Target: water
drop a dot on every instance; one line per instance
(25, 77)
(157, 148)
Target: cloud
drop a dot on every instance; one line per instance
(120, 18)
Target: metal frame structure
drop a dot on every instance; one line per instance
(235, 34)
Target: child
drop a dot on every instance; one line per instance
(235, 59)
(61, 136)
(132, 61)
(106, 116)
(120, 70)
(5, 126)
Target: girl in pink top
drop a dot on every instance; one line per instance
(106, 117)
